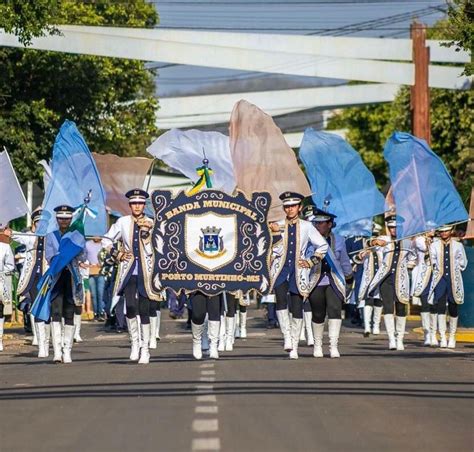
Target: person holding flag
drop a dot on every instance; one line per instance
(33, 269)
(447, 290)
(290, 267)
(393, 281)
(328, 282)
(135, 272)
(61, 288)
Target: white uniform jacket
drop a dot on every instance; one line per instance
(458, 265)
(7, 267)
(31, 244)
(368, 273)
(341, 261)
(306, 234)
(51, 250)
(421, 274)
(402, 279)
(122, 230)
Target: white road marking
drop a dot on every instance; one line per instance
(206, 444)
(204, 387)
(205, 425)
(208, 372)
(210, 379)
(206, 409)
(207, 366)
(211, 398)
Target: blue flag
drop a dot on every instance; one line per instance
(74, 174)
(340, 180)
(424, 192)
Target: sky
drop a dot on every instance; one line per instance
(370, 18)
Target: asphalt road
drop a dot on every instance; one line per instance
(252, 399)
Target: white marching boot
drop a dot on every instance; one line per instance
(243, 325)
(377, 319)
(334, 331)
(213, 333)
(197, 331)
(68, 341)
(77, 324)
(390, 328)
(144, 349)
(222, 330)
(425, 325)
(308, 316)
(158, 325)
(47, 338)
(284, 321)
(56, 330)
(433, 329)
(140, 338)
(318, 332)
(367, 320)
(453, 324)
(152, 342)
(134, 335)
(229, 333)
(400, 323)
(237, 333)
(296, 327)
(2, 324)
(442, 330)
(303, 331)
(34, 330)
(41, 330)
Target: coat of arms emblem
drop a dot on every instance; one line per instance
(211, 243)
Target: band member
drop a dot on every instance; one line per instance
(7, 267)
(447, 290)
(421, 282)
(205, 308)
(393, 282)
(134, 276)
(33, 269)
(67, 290)
(290, 267)
(329, 281)
(371, 260)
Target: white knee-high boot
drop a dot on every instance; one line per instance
(296, 327)
(367, 320)
(158, 325)
(318, 332)
(308, 316)
(2, 326)
(377, 319)
(229, 333)
(197, 337)
(134, 335)
(400, 323)
(284, 321)
(334, 331)
(442, 330)
(68, 341)
(41, 330)
(152, 343)
(237, 334)
(34, 330)
(144, 349)
(77, 324)
(425, 325)
(433, 330)
(222, 333)
(213, 333)
(47, 338)
(205, 335)
(56, 330)
(243, 325)
(453, 324)
(390, 328)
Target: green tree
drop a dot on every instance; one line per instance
(111, 100)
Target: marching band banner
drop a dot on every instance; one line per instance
(211, 242)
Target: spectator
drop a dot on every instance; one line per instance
(96, 278)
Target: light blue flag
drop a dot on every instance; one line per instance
(424, 192)
(341, 182)
(73, 175)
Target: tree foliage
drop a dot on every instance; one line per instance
(111, 100)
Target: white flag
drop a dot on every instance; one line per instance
(12, 201)
(184, 151)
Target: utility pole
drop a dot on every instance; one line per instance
(420, 92)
